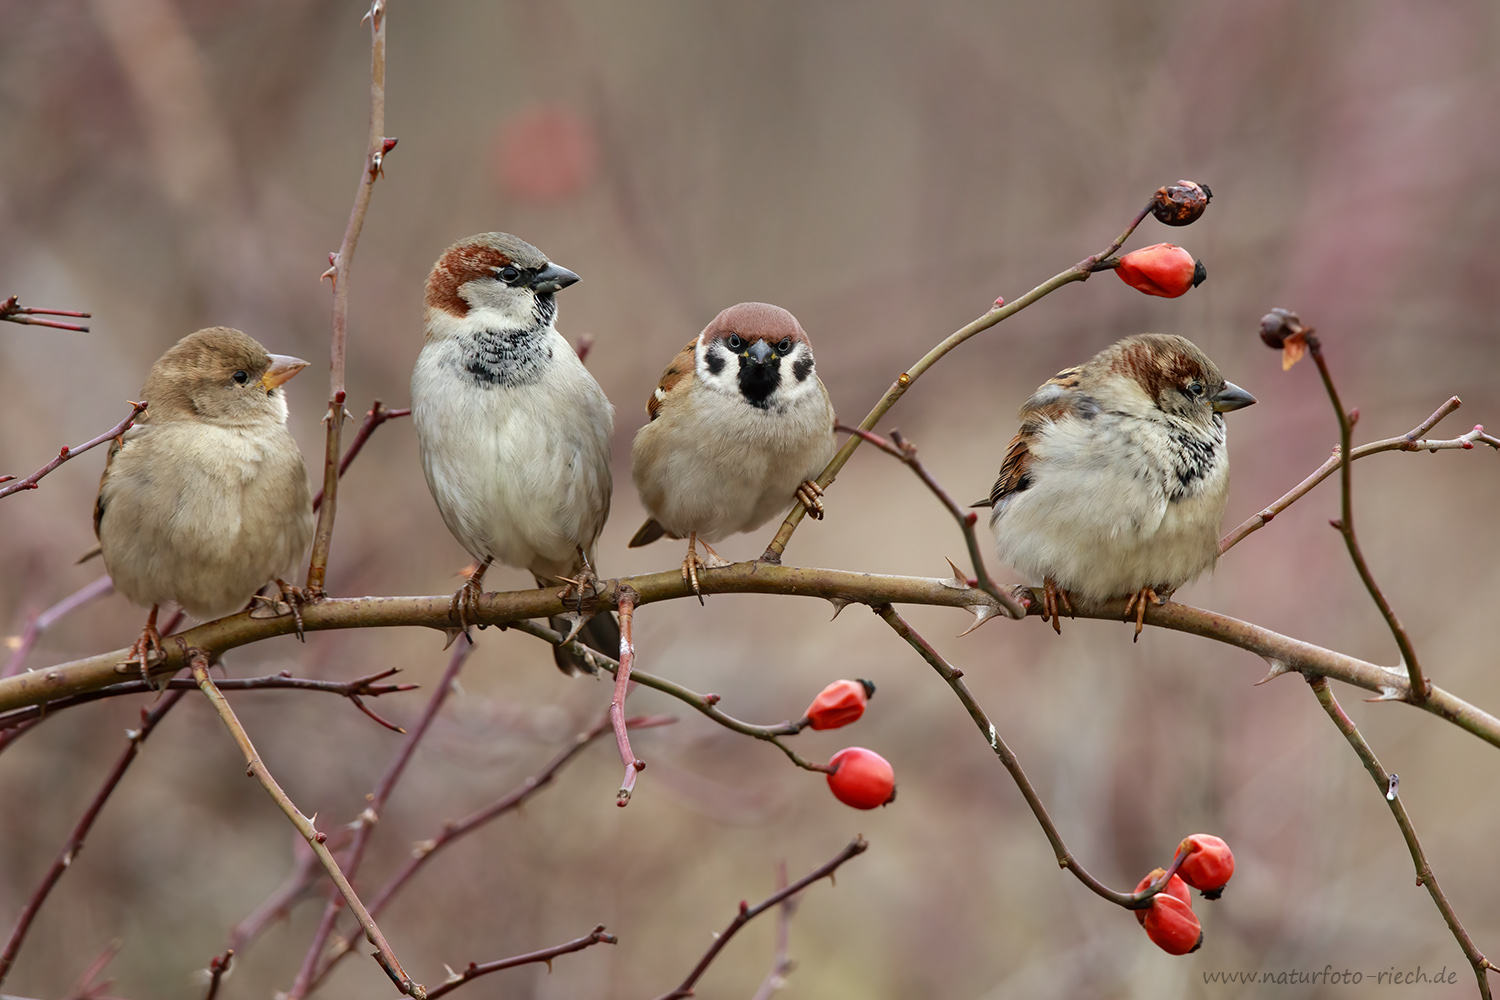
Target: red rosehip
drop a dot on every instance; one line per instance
(862, 778)
(1175, 887)
(1164, 269)
(1172, 925)
(1209, 864)
(839, 704)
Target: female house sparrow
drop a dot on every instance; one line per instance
(205, 499)
(1116, 483)
(740, 426)
(512, 429)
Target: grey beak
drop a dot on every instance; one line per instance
(760, 352)
(551, 278)
(1231, 397)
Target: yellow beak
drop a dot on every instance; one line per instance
(282, 368)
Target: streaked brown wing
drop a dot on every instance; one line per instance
(680, 368)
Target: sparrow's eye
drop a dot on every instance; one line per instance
(735, 343)
(785, 345)
(510, 275)
(242, 377)
(1196, 388)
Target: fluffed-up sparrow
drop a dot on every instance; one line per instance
(204, 500)
(740, 425)
(513, 430)
(1116, 483)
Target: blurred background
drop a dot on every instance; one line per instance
(885, 171)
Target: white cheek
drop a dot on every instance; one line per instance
(727, 378)
(498, 306)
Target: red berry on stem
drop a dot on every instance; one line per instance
(862, 778)
(1209, 864)
(839, 704)
(1175, 887)
(1172, 925)
(1163, 269)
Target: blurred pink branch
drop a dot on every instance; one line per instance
(781, 964)
(13, 312)
(12, 485)
(377, 415)
(632, 764)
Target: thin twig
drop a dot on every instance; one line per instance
(1425, 877)
(74, 843)
(364, 824)
(31, 481)
(218, 968)
(43, 620)
(781, 964)
(377, 415)
(198, 662)
(279, 903)
(1420, 686)
(632, 763)
(1065, 859)
(379, 146)
(473, 971)
(746, 914)
(1412, 440)
(904, 381)
(906, 452)
(12, 311)
(87, 988)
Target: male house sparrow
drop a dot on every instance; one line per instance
(204, 499)
(1116, 483)
(740, 425)
(512, 429)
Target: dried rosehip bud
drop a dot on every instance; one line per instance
(839, 704)
(1172, 925)
(862, 778)
(1163, 269)
(1279, 324)
(1175, 887)
(1181, 203)
(1209, 864)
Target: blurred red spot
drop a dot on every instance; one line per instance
(546, 153)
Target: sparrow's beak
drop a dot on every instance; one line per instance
(759, 352)
(282, 368)
(1231, 397)
(551, 278)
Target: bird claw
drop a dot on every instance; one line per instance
(1052, 596)
(148, 643)
(290, 600)
(810, 495)
(464, 607)
(690, 564)
(585, 581)
(1137, 603)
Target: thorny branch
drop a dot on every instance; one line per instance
(14, 485)
(472, 971)
(377, 415)
(12, 311)
(633, 764)
(1425, 876)
(855, 847)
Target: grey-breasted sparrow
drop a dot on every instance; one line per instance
(513, 430)
(1116, 483)
(204, 500)
(740, 425)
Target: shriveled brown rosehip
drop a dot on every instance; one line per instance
(862, 778)
(839, 704)
(1181, 203)
(1163, 269)
(1209, 864)
(1175, 887)
(1172, 925)
(1279, 324)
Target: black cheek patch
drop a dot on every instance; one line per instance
(715, 361)
(803, 367)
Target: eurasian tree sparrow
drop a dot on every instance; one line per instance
(512, 429)
(204, 500)
(740, 425)
(1117, 481)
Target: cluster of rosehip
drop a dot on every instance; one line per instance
(858, 777)
(1206, 865)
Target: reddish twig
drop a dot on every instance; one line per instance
(74, 843)
(632, 763)
(747, 913)
(218, 968)
(12, 311)
(1425, 877)
(377, 415)
(279, 903)
(317, 841)
(1412, 440)
(87, 988)
(364, 824)
(43, 620)
(906, 452)
(30, 482)
(379, 146)
(473, 971)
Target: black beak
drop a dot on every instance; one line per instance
(760, 352)
(1231, 397)
(551, 278)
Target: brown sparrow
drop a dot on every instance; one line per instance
(204, 500)
(512, 429)
(740, 425)
(1116, 483)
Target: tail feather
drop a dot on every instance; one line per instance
(600, 633)
(649, 532)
